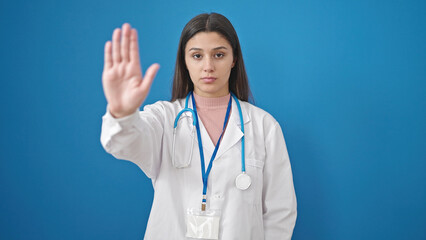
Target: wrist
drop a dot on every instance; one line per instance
(115, 114)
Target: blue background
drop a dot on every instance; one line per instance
(345, 79)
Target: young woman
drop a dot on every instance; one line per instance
(218, 164)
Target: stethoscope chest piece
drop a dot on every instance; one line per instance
(243, 181)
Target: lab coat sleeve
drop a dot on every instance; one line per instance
(136, 138)
(279, 198)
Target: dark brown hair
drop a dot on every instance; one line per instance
(213, 22)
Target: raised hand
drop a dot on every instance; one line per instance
(124, 85)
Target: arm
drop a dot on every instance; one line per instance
(126, 133)
(137, 138)
(279, 198)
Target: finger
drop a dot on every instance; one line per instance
(116, 45)
(125, 42)
(134, 47)
(150, 74)
(107, 55)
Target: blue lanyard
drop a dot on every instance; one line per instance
(204, 173)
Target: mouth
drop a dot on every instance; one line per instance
(208, 79)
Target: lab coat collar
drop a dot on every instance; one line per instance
(233, 132)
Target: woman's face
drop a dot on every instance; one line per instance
(209, 60)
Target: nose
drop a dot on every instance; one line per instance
(208, 65)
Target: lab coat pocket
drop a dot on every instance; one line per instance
(254, 168)
(183, 143)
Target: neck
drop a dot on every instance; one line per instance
(223, 93)
(211, 102)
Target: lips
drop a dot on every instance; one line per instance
(208, 79)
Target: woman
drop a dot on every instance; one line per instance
(244, 189)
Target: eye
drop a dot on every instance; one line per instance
(219, 55)
(196, 56)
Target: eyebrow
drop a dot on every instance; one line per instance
(199, 49)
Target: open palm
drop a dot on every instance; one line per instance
(124, 85)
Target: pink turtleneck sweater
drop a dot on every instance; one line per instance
(212, 113)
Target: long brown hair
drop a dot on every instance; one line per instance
(213, 22)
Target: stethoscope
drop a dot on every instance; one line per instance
(243, 180)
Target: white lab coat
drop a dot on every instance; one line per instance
(266, 210)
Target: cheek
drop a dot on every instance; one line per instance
(192, 71)
(190, 65)
(226, 67)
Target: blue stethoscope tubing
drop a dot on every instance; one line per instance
(243, 180)
(194, 123)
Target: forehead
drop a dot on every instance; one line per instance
(207, 41)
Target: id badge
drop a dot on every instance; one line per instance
(202, 224)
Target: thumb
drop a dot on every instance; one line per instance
(150, 74)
